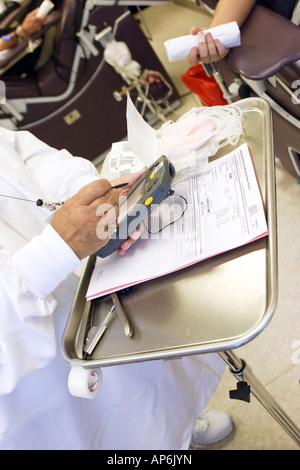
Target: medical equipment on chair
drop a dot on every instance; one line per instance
(152, 88)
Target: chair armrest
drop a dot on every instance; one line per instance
(21, 49)
(268, 42)
(14, 15)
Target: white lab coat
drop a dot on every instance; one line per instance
(149, 405)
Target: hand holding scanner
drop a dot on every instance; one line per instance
(148, 191)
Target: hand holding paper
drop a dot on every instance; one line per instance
(180, 47)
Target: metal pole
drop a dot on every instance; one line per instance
(243, 372)
(211, 69)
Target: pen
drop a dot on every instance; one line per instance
(119, 185)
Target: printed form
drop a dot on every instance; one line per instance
(224, 210)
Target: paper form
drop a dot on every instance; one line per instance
(224, 211)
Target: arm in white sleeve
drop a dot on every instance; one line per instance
(45, 262)
(59, 174)
(27, 279)
(30, 274)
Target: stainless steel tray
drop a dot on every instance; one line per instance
(215, 305)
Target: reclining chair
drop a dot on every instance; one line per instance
(266, 65)
(14, 12)
(69, 103)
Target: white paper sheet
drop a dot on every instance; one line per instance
(225, 210)
(180, 47)
(141, 137)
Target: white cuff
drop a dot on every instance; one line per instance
(45, 262)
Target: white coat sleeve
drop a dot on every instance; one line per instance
(58, 173)
(27, 280)
(29, 276)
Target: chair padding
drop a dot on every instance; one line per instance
(269, 42)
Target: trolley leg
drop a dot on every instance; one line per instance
(244, 374)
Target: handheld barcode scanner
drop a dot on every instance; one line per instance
(149, 191)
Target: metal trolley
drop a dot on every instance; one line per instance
(160, 319)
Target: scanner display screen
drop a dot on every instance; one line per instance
(131, 201)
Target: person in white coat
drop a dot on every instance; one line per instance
(151, 405)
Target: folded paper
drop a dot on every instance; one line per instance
(180, 47)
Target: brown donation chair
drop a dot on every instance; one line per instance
(14, 13)
(70, 103)
(266, 65)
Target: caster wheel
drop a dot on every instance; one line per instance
(84, 383)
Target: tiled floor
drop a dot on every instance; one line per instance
(270, 355)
